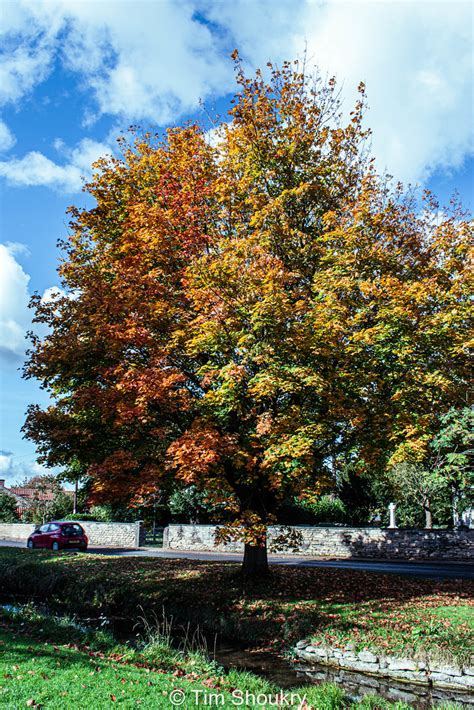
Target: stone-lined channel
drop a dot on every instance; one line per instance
(287, 674)
(426, 673)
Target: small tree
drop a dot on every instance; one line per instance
(8, 508)
(61, 505)
(415, 484)
(453, 456)
(49, 499)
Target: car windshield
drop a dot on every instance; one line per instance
(72, 530)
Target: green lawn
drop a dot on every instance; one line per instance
(40, 673)
(418, 617)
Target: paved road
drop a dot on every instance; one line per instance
(430, 570)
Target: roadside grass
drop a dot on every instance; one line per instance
(420, 618)
(41, 667)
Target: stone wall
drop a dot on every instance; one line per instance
(100, 534)
(343, 542)
(16, 531)
(406, 669)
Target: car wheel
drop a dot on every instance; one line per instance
(55, 546)
(83, 548)
(30, 544)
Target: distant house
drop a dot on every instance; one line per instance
(31, 492)
(21, 503)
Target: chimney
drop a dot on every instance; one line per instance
(2, 483)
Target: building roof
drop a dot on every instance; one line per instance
(20, 501)
(29, 494)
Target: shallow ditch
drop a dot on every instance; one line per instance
(286, 674)
(283, 672)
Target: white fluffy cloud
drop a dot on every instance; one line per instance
(159, 59)
(154, 60)
(15, 316)
(415, 57)
(140, 59)
(14, 298)
(416, 60)
(15, 470)
(7, 139)
(34, 168)
(51, 293)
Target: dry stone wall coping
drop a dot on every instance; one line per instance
(342, 542)
(406, 669)
(99, 534)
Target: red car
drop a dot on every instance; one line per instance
(58, 536)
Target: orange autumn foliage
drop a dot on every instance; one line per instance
(247, 314)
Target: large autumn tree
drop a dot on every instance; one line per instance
(244, 312)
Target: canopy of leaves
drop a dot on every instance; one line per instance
(243, 315)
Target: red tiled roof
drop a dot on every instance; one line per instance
(32, 493)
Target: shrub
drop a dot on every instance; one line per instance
(8, 508)
(191, 505)
(327, 509)
(99, 514)
(80, 516)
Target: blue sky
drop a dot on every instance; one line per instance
(73, 74)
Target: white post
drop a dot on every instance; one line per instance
(393, 522)
(74, 505)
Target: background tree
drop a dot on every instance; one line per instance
(442, 483)
(49, 502)
(417, 485)
(362, 495)
(8, 508)
(248, 313)
(194, 505)
(453, 457)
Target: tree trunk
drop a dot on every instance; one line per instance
(255, 560)
(428, 517)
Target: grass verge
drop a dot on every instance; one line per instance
(404, 616)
